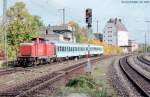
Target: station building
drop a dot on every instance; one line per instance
(60, 33)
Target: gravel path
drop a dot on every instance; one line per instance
(100, 73)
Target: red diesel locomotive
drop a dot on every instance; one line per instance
(36, 52)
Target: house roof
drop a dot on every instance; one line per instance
(118, 24)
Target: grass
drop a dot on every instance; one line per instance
(82, 85)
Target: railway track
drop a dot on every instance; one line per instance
(143, 60)
(29, 88)
(140, 81)
(10, 70)
(18, 69)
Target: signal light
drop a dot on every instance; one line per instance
(88, 16)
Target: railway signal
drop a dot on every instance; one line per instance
(88, 20)
(88, 15)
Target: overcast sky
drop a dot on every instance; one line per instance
(133, 15)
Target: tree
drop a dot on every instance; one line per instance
(80, 33)
(22, 26)
(1, 40)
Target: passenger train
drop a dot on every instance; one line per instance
(42, 51)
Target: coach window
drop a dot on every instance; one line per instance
(57, 49)
(60, 48)
(64, 49)
(67, 48)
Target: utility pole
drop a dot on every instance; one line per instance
(5, 29)
(145, 43)
(97, 26)
(63, 15)
(148, 37)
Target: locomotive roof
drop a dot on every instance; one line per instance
(66, 43)
(43, 39)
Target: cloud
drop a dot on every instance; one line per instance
(133, 15)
